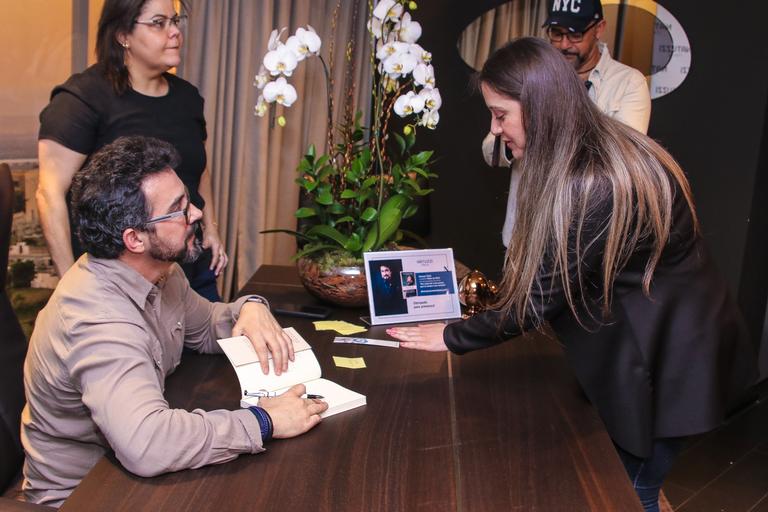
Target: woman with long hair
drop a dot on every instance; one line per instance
(129, 91)
(607, 250)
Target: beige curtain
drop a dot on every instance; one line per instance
(252, 164)
(513, 19)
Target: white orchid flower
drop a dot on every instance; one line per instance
(377, 28)
(430, 119)
(281, 60)
(280, 91)
(408, 30)
(306, 42)
(261, 78)
(424, 74)
(420, 53)
(387, 10)
(388, 49)
(261, 106)
(409, 103)
(432, 99)
(274, 38)
(399, 64)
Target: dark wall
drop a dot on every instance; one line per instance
(713, 124)
(468, 205)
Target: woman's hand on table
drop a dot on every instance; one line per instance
(427, 337)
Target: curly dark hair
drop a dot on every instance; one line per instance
(106, 194)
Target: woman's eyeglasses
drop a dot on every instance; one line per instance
(163, 22)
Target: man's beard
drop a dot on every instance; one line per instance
(578, 61)
(186, 254)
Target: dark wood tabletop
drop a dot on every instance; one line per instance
(500, 429)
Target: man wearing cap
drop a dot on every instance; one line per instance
(621, 92)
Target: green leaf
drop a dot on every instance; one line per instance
(397, 172)
(357, 167)
(328, 232)
(337, 209)
(389, 220)
(322, 160)
(353, 243)
(419, 171)
(324, 197)
(420, 158)
(410, 211)
(305, 212)
(346, 218)
(305, 166)
(311, 153)
(325, 172)
(410, 140)
(365, 195)
(417, 188)
(400, 142)
(368, 214)
(348, 194)
(369, 182)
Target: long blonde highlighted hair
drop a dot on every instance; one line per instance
(577, 158)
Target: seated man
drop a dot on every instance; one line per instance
(115, 328)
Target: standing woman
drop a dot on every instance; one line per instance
(127, 92)
(607, 250)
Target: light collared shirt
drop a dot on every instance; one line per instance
(619, 91)
(95, 374)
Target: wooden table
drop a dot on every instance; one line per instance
(500, 429)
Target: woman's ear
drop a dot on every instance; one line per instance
(122, 40)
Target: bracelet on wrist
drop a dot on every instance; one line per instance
(265, 422)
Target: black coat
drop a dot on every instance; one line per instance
(667, 365)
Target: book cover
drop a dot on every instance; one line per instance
(305, 369)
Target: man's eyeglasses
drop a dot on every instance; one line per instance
(163, 22)
(556, 34)
(168, 216)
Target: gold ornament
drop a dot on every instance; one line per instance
(476, 292)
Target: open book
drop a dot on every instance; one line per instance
(303, 370)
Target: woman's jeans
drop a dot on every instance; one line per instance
(647, 475)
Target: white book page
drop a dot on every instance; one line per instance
(338, 398)
(305, 367)
(240, 351)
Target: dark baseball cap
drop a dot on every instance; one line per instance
(575, 15)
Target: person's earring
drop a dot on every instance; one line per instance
(124, 44)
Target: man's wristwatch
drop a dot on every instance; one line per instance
(258, 299)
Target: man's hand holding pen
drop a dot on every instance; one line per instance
(291, 413)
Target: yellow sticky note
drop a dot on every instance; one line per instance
(339, 326)
(349, 362)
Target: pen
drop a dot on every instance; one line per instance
(262, 393)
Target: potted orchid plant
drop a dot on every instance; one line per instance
(367, 181)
